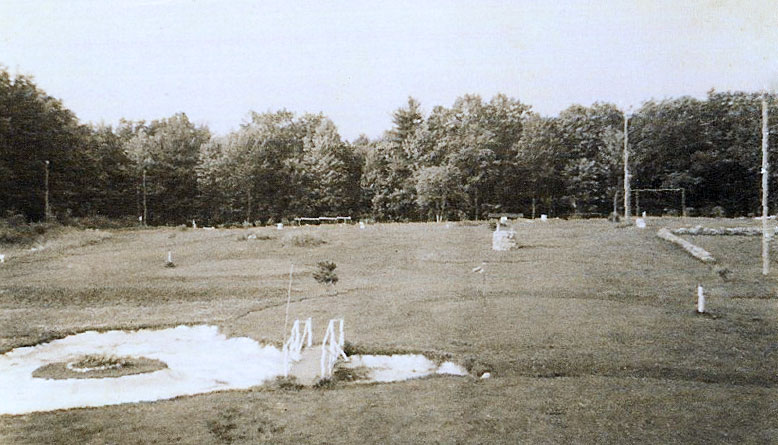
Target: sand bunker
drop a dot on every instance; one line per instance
(395, 368)
(199, 360)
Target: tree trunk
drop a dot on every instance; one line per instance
(248, 205)
(616, 202)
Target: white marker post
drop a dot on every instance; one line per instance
(700, 300)
(169, 257)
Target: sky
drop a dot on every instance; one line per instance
(358, 61)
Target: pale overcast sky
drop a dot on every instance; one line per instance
(357, 61)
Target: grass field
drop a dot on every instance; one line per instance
(589, 331)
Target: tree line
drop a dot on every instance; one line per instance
(458, 162)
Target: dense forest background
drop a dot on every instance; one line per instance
(460, 162)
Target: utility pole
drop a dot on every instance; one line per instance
(46, 206)
(145, 211)
(765, 170)
(627, 191)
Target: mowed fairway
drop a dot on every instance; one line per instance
(588, 330)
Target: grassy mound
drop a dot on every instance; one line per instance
(98, 367)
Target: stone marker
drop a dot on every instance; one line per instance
(280, 226)
(544, 217)
(640, 223)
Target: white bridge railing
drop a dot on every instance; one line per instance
(294, 346)
(332, 348)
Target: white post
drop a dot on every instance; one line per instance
(308, 332)
(170, 257)
(329, 333)
(341, 340)
(288, 300)
(765, 173)
(700, 300)
(627, 191)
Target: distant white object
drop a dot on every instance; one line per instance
(209, 228)
(700, 300)
(478, 269)
(644, 214)
(169, 257)
(252, 236)
(194, 224)
(640, 223)
(503, 239)
(140, 218)
(448, 225)
(361, 225)
(544, 217)
(2, 258)
(503, 220)
(280, 226)
(486, 375)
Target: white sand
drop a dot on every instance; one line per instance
(199, 360)
(394, 368)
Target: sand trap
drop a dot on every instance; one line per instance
(395, 368)
(199, 360)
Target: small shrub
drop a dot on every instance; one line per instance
(325, 274)
(614, 217)
(718, 212)
(96, 361)
(304, 240)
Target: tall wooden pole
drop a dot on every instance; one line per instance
(627, 191)
(145, 211)
(765, 174)
(46, 207)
